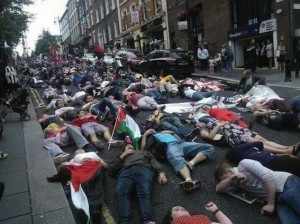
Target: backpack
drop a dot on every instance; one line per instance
(157, 148)
(77, 80)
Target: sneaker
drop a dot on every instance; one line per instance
(90, 148)
(116, 143)
(189, 165)
(190, 186)
(99, 144)
(101, 118)
(61, 158)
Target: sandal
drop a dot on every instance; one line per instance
(189, 186)
(3, 155)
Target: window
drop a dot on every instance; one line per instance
(248, 12)
(124, 20)
(97, 16)
(106, 2)
(113, 4)
(109, 33)
(92, 18)
(102, 11)
(157, 6)
(116, 29)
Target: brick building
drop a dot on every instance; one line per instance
(235, 22)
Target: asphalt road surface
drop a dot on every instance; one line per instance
(169, 195)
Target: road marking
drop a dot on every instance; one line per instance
(107, 216)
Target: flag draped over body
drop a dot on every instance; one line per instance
(126, 125)
(81, 173)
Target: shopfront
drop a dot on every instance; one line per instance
(153, 33)
(240, 40)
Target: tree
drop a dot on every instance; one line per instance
(44, 41)
(13, 20)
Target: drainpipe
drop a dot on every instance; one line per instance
(165, 10)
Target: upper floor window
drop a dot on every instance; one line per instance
(102, 11)
(106, 2)
(113, 4)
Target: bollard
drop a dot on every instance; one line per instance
(288, 70)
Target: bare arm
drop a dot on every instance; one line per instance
(220, 216)
(212, 134)
(144, 137)
(270, 188)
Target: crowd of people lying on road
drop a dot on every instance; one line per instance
(91, 116)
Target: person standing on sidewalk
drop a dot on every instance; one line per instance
(281, 56)
(270, 53)
(203, 56)
(252, 56)
(297, 58)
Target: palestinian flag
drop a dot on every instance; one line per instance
(126, 125)
(81, 173)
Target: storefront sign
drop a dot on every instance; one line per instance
(253, 30)
(182, 25)
(243, 32)
(268, 26)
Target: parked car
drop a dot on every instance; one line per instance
(89, 57)
(108, 59)
(131, 57)
(175, 62)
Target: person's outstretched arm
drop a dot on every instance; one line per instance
(220, 216)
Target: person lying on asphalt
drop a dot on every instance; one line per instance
(279, 189)
(182, 155)
(91, 128)
(179, 215)
(135, 171)
(235, 135)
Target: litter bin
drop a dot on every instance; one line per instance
(288, 69)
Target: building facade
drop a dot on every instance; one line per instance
(143, 24)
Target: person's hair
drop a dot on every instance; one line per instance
(57, 101)
(168, 217)
(221, 170)
(242, 102)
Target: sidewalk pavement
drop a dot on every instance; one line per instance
(273, 77)
(28, 197)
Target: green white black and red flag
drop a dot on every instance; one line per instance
(126, 125)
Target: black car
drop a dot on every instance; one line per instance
(175, 62)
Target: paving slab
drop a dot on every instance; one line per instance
(61, 216)
(15, 182)
(13, 165)
(24, 219)
(14, 205)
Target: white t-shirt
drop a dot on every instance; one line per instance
(63, 109)
(188, 92)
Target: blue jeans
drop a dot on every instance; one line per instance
(180, 151)
(100, 107)
(174, 124)
(288, 201)
(200, 95)
(137, 178)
